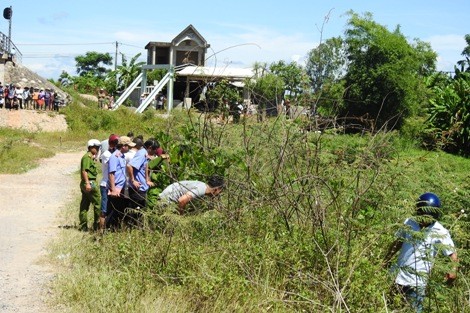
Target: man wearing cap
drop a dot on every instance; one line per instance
(88, 186)
(117, 199)
(111, 143)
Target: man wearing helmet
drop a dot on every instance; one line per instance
(419, 242)
(89, 187)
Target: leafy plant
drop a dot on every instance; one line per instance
(449, 114)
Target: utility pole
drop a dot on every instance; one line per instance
(7, 14)
(115, 56)
(115, 66)
(9, 30)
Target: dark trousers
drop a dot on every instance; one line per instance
(116, 211)
(137, 202)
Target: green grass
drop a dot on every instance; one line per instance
(303, 225)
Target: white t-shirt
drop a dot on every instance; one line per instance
(104, 158)
(129, 155)
(176, 190)
(419, 250)
(104, 147)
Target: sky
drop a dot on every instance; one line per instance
(51, 33)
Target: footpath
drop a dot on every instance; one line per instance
(30, 205)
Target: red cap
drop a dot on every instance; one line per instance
(113, 138)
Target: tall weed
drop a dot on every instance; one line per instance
(303, 225)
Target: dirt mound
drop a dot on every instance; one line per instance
(33, 121)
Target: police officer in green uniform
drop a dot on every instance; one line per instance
(88, 186)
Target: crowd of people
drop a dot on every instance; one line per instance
(16, 97)
(131, 182)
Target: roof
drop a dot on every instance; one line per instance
(158, 44)
(217, 72)
(190, 33)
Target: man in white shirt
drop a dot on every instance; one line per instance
(185, 191)
(104, 158)
(419, 242)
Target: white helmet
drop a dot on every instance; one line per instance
(93, 143)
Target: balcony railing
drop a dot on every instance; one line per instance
(7, 46)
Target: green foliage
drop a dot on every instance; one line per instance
(93, 64)
(195, 152)
(294, 77)
(15, 151)
(156, 74)
(464, 65)
(303, 225)
(384, 77)
(88, 83)
(223, 90)
(326, 63)
(267, 92)
(449, 114)
(124, 74)
(65, 79)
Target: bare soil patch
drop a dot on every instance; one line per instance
(29, 210)
(33, 121)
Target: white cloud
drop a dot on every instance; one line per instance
(447, 42)
(258, 45)
(448, 48)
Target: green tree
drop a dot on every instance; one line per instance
(124, 75)
(326, 66)
(155, 74)
(127, 72)
(464, 65)
(88, 83)
(267, 91)
(93, 63)
(326, 63)
(293, 75)
(384, 82)
(260, 69)
(223, 90)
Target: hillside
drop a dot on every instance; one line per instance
(33, 121)
(19, 74)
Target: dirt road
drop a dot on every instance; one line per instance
(29, 207)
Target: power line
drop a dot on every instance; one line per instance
(52, 55)
(79, 44)
(128, 45)
(65, 44)
(48, 56)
